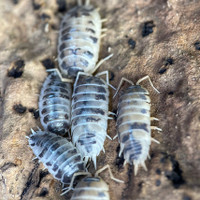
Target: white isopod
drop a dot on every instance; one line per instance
(79, 41)
(57, 154)
(55, 105)
(91, 187)
(134, 123)
(90, 114)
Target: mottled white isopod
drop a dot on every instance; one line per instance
(134, 123)
(79, 40)
(55, 105)
(57, 154)
(90, 114)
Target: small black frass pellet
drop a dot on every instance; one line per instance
(35, 5)
(147, 28)
(169, 61)
(197, 46)
(131, 43)
(186, 197)
(15, 1)
(16, 69)
(43, 192)
(35, 112)
(48, 63)
(158, 171)
(158, 182)
(44, 16)
(162, 70)
(61, 5)
(19, 108)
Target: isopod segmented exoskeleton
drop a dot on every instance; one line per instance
(133, 123)
(91, 187)
(55, 105)
(79, 40)
(57, 154)
(90, 114)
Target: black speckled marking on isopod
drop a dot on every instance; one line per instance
(94, 39)
(139, 125)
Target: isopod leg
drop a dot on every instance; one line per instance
(156, 128)
(107, 77)
(120, 84)
(154, 119)
(144, 78)
(72, 181)
(154, 140)
(94, 159)
(87, 2)
(101, 61)
(104, 20)
(110, 172)
(77, 77)
(60, 75)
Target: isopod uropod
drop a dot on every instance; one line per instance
(59, 156)
(55, 105)
(91, 187)
(90, 114)
(79, 40)
(133, 123)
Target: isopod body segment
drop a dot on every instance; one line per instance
(79, 40)
(55, 104)
(134, 124)
(57, 154)
(89, 116)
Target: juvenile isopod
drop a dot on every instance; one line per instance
(55, 105)
(89, 116)
(57, 154)
(79, 40)
(134, 123)
(91, 187)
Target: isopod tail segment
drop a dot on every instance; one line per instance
(88, 174)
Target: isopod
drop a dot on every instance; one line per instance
(57, 154)
(91, 187)
(55, 105)
(90, 114)
(79, 40)
(133, 123)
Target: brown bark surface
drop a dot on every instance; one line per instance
(159, 38)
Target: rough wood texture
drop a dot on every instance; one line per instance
(159, 38)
